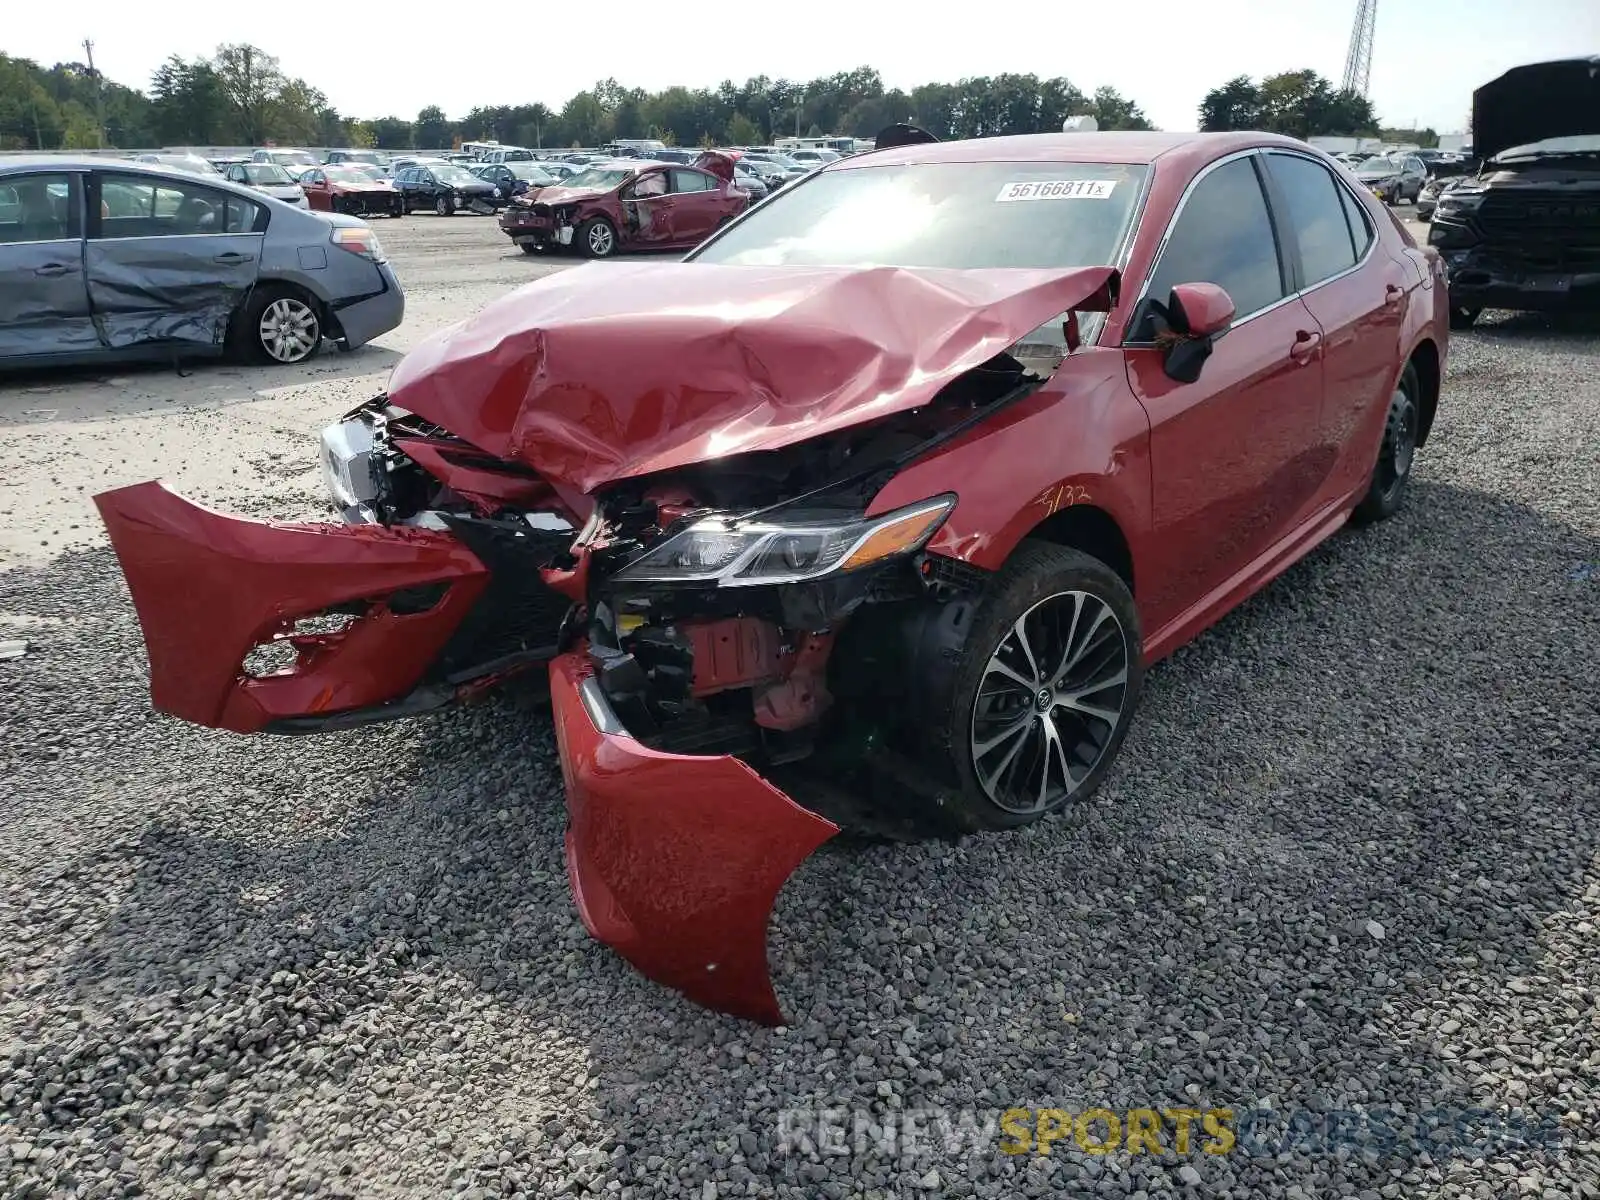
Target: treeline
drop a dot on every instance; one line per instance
(1301, 104)
(241, 96)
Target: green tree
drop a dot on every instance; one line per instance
(1234, 105)
(1111, 110)
(742, 131)
(391, 133)
(433, 130)
(250, 81)
(1301, 104)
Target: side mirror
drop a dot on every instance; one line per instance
(1196, 315)
(1199, 310)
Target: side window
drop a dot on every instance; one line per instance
(1224, 236)
(245, 216)
(1315, 221)
(1360, 223)
(38, 208)
(653, 184)
(692, 181)
(134, 206)
(312, 177)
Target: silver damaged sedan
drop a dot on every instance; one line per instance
(106, 259)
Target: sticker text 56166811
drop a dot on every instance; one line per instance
(1057, 189)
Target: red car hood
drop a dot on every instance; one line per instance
(614, 370)
(371, 185)
(554, 193)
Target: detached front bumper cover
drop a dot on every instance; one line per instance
(209, 588)
(675, 860)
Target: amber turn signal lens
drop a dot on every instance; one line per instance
(900, 536)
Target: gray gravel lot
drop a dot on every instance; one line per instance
(1348, 860)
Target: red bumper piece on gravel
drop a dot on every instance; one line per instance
(210, 587)
(675, 860)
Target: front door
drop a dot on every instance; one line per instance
(1234, 455)
(168, 261)
(44, 301)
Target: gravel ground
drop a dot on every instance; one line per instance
(1348, 860)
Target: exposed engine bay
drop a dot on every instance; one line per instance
(741, 606)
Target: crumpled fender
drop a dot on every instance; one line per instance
(622, 369)
(208, 587)
(675, 860)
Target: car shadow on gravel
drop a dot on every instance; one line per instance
(95, 393)
(1341, 835)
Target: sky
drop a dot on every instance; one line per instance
(392, 60)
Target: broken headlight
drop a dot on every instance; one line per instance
(1451, 203)
(734, 554)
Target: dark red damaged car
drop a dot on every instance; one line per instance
(870, 513)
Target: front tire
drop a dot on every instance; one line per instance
(529, 248)
(597, 238)
(1391, 476)
(1462, 317)
(1036, 710)
(443, 207)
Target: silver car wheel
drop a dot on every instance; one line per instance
(1049, 702)
(289, 330)
(601, 239)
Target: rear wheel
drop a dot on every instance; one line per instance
(1392, 473)
(278, 326)
(1036, 711)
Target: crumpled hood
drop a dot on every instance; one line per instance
(554, 193)
(614, 370)
(1534, 102)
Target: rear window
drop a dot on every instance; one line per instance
(957, 215)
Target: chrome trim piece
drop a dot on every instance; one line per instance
(601, 714)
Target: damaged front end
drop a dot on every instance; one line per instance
(691, 535)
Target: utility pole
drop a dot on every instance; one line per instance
(99, 98)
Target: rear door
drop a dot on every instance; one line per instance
(698, 204)
(44, 302)
(1357, 293)
(168, 260)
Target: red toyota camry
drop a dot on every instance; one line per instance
(869, 514)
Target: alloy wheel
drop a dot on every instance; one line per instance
(1049, 702)
(601, 239)
(1399, 443)
(289, 330)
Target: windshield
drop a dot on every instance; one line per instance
(1380, 164)
(350, 175)
(960, 215)
(445, 173)
(363, 156)
(1581, 144)
(266, 174)
(297, 158)
(186, 163)
(601, 179)
(532, 172)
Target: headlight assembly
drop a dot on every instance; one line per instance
(714, 550)
(1459, 202)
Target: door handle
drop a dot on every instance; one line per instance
(1392, 294)
(1305, 346)
(54, 270)
(234, 256)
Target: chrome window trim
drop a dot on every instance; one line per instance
(75, 175)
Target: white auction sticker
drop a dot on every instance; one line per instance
(1057, 189)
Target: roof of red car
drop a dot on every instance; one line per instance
(1068, 147)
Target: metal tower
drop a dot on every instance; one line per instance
(1358, 60)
